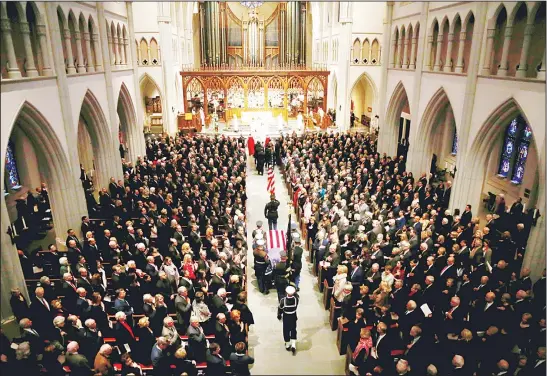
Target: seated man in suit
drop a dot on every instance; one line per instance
(216, 365)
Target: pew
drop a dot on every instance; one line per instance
(334, 314)
(327, 293)
(341, 339)
(321, 278)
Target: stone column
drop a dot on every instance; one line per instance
(111, 50)
(81, 65)
(541, 73)
(12, 274)
(89, 65)
(70, 69)
(447, 66)
(461, 47)
(504, 63)
(343, 89)
(46, 63)
(428, 52)
(490, 33)
(437, 64)
(116, 48)
(392, 53)
(414, 45)
(13, 68)
(125, 59)
(401, 43)
(405, 51)
(523, 66)
(30, 66)
(385, 133)
(98, 52)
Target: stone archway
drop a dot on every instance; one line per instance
(130, 133)
(103, 150)
(150, 91)
(434, 136)
(389, 126)
(363, 95)
(67, 201)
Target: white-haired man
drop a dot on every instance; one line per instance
(123, 332)
(217, 281)
(93, 339)
(79, 366)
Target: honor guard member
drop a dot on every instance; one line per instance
(296, 262)
(259, 236)
(258, 229)
(270, 212)
(261, 262)
(281, 275)
(287, 310)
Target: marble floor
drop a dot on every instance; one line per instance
(316, 346)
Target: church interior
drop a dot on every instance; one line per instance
(143, 232)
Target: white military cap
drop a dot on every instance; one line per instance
(259, 236)
(260, 242)
(290, 290)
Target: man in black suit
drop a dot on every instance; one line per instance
(382, 346)
(418, 351)
(398, 297)
(449, 271)
(466, 216)
(31, 336)
(83, 306)
(222, 335)
(124, 333)
(430, 293)
(93, 339)
(356, 274)
(218, 303)
(373, 277)
(454, 317)
(216, 364)
(536, 367)
(412, 316)
(485, 313)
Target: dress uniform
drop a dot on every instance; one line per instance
(281, 275)
(270, 212)
(296, 262)
(287, 310)
(260, 263)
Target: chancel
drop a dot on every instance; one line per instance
(396, 151)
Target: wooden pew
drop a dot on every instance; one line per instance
(342, 339)
(320, 278)
(334, 314)
(327, 293)
(348, 360)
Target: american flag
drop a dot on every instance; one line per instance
(271, 181)
(277, 242)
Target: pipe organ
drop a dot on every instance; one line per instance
(251, 40)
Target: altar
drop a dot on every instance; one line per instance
(256, 92)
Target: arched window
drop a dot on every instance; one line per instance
(515, 150)
(455, 142)
(12, 175)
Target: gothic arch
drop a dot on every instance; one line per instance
(128, 121)
(56, 165)
(388, 132)
(371, 83)
(434, 116)
(99, 132)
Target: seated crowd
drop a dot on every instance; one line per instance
(158, 283)
(409, 275)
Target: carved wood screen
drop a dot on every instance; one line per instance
(215, 96)
(295, 93)
(194, 91)
(236, 93)
(255, 93)
(276, 93)
(315, 93)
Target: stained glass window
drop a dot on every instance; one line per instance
(11, 168)
(515, 150)
(455, 142)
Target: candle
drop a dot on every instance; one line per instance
(14, 230)
(24, 223)
(446, 165)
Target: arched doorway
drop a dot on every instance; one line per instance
(394, 133)
(130, 136)
(35, 158)
(93, 130)
(436, 144)
(362, 100)
(152, 105)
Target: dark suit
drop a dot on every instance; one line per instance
(356, 276)
(183, 309)
(78, 364)
(160, 361)
(216, 365)
(123, 336)
(239, 363)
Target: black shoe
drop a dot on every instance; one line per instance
(288, 348)
(267, 292)
(293, 349)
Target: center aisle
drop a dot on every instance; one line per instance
(316, 345)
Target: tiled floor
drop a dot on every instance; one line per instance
(316, 346)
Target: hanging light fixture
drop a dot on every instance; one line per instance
(251, 4)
